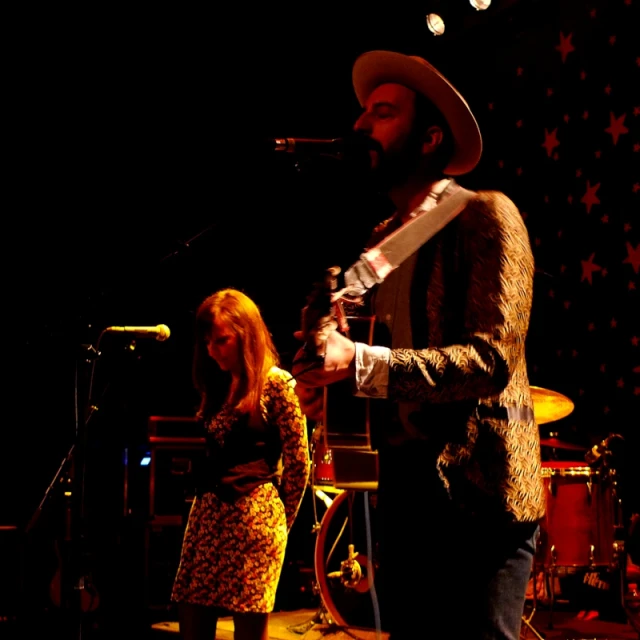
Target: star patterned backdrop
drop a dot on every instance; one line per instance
(562, 113)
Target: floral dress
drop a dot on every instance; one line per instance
(233, 551)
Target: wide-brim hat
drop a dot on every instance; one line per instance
(374, 68)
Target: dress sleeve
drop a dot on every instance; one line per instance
(285, 414)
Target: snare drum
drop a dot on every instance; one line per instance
(578, 527)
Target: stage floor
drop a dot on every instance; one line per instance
(306, 625)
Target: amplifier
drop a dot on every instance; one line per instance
(175, 452)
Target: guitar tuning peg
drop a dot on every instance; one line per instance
(331, 279)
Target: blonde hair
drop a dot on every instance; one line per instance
(257, 351)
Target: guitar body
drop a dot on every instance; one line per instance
(347, 424)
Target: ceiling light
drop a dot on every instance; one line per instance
(435, 24)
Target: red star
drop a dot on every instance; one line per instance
(636, 187)
(566, 117)
(616, 126)
(614, 323)
(565, 47)
(631, 286)
(588, 267)
(550, 141)
(634, 341)
(604, 219)
(633, 257)
(607, 89)
(590, 198)
(627, 227)
(591, 326)
(620, 383)
(519, 124)
(636, 147)
(636, 111)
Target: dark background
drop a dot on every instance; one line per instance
(138, 185)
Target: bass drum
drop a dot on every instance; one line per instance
(346, 561)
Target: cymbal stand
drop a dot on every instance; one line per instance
(321, 616)
(527, 618)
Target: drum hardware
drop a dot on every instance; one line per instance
(345, 576)
(320, 480)
(350, 573)
(583, 529)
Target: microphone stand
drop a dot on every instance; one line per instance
(71, 588)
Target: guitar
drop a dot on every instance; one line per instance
(346, 422)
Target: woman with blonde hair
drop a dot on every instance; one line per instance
(255, 473)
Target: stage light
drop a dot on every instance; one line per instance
(480, 5)
(435, 24)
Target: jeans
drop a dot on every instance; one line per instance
(449, 573)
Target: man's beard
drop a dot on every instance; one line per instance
(392, 168)
(395, 167)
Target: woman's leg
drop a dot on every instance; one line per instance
(197, 622)
(251, 626)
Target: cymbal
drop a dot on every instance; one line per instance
(556, 443)
(549, 405)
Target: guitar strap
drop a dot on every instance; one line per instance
(378, 262)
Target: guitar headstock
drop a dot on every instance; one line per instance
(319, 309)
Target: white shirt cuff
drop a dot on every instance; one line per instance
(372, 371)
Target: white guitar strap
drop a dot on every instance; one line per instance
(426, 220)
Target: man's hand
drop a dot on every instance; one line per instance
(337, 361)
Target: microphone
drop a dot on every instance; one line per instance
(160, 332)
(354, 146)
(333, 147)
(594, 454)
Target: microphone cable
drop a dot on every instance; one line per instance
(370, 578)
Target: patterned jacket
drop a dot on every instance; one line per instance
(467, 366)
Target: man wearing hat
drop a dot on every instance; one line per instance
(460, 491)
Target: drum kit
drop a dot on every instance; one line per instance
(581, 531)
